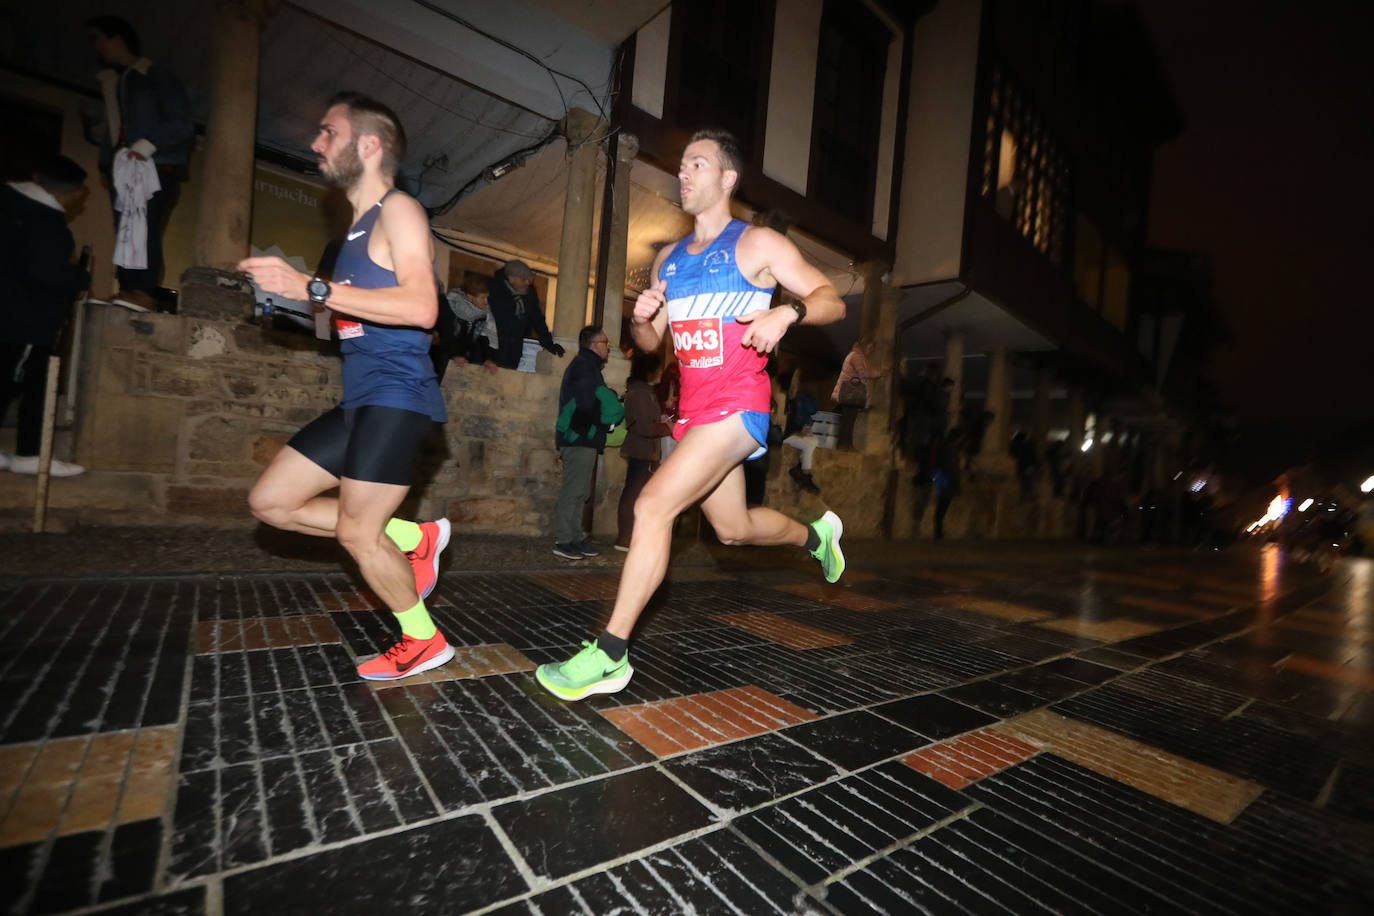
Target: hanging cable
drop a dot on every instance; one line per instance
(511, 46)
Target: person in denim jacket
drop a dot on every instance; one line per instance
(147, 112)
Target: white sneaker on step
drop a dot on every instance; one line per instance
(28, 464)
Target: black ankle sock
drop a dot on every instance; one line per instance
(613, 646)
(813, 538)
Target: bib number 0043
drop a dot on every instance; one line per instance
(697, 342)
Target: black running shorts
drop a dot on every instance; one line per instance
(376, 444)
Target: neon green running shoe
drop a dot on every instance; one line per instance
(830, 528)
(589, 671)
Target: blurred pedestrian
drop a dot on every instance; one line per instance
(643, 429)
(852, 389)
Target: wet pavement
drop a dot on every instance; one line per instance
(977, 728)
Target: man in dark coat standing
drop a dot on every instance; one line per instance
(39, 280)
(580, 435)
(514, 304)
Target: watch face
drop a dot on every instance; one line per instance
(317, 289)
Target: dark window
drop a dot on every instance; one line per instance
(723, 55)
(847, 119)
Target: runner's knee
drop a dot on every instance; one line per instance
(267, 507)
(653, 509)
(358, 539)
(731, 533)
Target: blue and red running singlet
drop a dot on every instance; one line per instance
(705, 293)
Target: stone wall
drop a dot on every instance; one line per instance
(177, 416)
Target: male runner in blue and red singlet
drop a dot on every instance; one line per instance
(711, 290)
(384, 297)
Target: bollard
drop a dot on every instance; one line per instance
(40, 507)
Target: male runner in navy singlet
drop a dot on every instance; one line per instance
(384, 297)
(711, 290)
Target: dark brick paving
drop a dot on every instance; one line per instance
(295, 787)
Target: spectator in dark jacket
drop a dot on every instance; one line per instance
(148, 113)
(38, 283)
(585, 412)
(515, 306)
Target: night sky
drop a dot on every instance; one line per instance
(1272, 179)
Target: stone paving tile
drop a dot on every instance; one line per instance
(823, 831)
(844, 597)
(453, 865)
(714, 873)
(743, 774)
(89, 658)
(1168, 607)
(1345, 674)
(492, 738)
(1106, 630)
(993, 698)
(1242, 747)
(275, 776)
(358, 599)
(578, 586)
(784, 631)
(856, 739)
(958, 580)
(934, 716)
(618, 815)
(1156, 856)
(1174, 779)
(690, 723)
(263, 633)
(1004, 610)
(962, 761)
(1118, 578)
(76, 784)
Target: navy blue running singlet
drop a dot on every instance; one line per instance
(383, 365)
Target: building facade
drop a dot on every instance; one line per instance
(973, 176)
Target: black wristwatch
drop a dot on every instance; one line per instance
(800, 308)
(317, 290)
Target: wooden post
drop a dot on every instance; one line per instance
(40, 507)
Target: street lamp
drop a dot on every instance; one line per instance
(1368, 484)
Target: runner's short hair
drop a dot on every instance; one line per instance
(114, 27)
(366, 115)
(731, 159)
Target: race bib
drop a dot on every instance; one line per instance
(348, 329)
(698, 342)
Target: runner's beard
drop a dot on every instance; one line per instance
(345, 170)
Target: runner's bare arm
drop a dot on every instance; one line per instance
(650, 316)
(413, 301)
(767, 257)
(781, 262)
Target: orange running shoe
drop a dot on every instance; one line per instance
(424, 559)
(407, 657)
